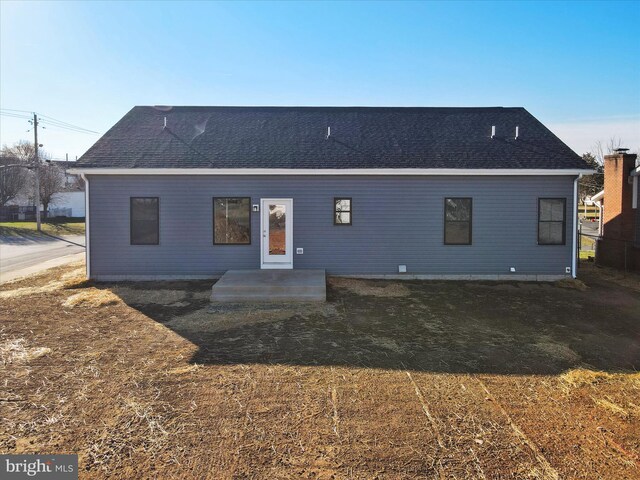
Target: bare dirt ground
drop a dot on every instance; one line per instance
(387, 380)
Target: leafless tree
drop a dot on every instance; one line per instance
(51, 183)
(51, 176)
(592, 184)
(22, 150)
(13, 179)
(599, 150)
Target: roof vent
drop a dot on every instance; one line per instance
(328, 132)
(621, 151)
(493, 131)
(517, 132)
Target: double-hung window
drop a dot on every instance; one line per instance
(457, 221)
(552, 221)
(342, 211)
(144, 214)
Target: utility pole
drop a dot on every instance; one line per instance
(36, 168)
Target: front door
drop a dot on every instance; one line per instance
(276, 224)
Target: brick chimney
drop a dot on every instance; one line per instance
(618, 192)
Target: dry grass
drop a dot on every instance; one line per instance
(580, 377)
(29, 291)
(91, 297)
(630, 280)
(558, 350)
(138, 427)
(372, 288)
(17, 351)
(611, 406)
(572, 283)
(225, 317)
(73, 278)
(12, 229)
(185, 369)
(161, 296)
(430, 380)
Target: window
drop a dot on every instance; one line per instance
(457, 221)
(552, 221)
(342, 211)
(232, 221)
(145, 221)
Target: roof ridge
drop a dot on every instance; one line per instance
(168, 108)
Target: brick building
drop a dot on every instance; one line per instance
(619, 245)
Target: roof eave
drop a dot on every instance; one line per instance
(324, 171)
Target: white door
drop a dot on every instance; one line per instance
(276, 224)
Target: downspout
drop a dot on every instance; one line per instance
(574, 261)
(87, 243)
(600, 212)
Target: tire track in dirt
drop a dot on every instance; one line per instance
(284, 428)
(579, 436)
(332, 422)
(478, 439)
(549, 471)
(379, 435)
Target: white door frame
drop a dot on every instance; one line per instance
(273, 261)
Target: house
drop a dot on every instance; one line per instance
(469, 193)
(619, 243)
(597, 200)
(71, 180)
(69, 202)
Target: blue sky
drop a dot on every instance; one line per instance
(574, 65)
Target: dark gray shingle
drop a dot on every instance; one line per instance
(361, 137)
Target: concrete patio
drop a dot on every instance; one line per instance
(271, 286)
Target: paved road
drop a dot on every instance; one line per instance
(27, 254)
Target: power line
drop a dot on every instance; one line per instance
(12, 110)
(73, 129)
(47, 119)
(59, 121)
(65, 124)
(14, 115)
(80, 130)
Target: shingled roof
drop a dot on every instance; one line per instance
(361, 137)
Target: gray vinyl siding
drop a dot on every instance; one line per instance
(637, 242)
(396, 220)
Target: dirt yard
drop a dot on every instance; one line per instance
(387, 380)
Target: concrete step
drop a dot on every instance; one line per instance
(257, 286)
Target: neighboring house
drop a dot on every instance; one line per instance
(434, 192)
(598, 201)
(619, 245)
(68, 202)
(71, 180)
